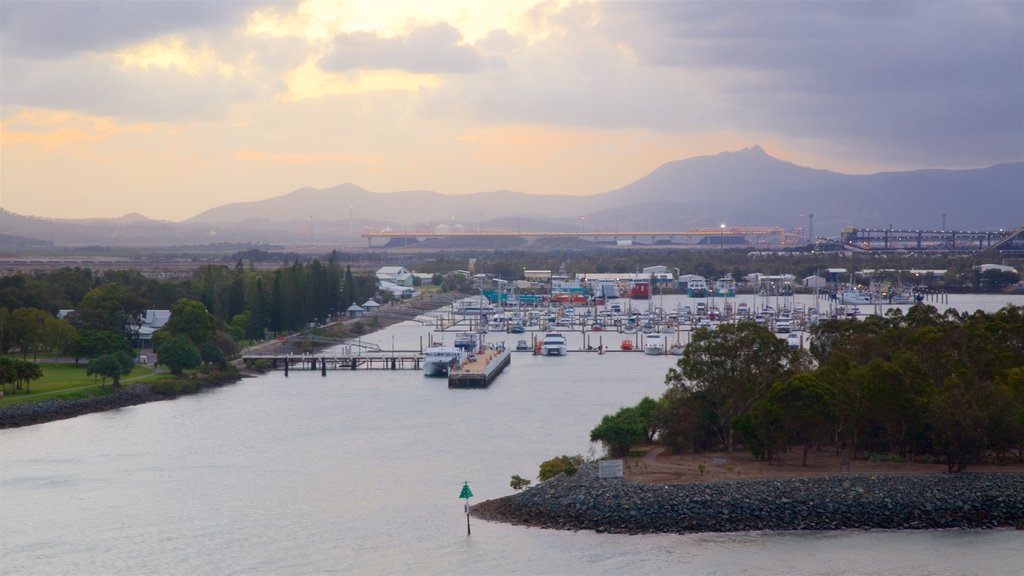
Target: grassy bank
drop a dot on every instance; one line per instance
(66, 380)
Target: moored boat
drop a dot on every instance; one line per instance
(654, 345)
(553, 344)
(626, 345)
(676, 349)
(438, 360)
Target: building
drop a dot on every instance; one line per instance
(815, 282)
(396, 275)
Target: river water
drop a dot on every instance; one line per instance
(359, 473)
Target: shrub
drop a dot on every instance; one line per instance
(558, 465)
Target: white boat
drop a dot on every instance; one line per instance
(725, 286)
(654, 345)
(793, 340)
(553, 344)
(854, 297)
(522, 345)
(697, 287)
(466, 341)
(438, 360)
(676, 349)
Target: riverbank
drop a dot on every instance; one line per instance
(49, 410)
(584, 501)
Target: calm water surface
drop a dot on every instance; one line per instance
(359, 473)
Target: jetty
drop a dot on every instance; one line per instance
(482, 369)
(399, 360)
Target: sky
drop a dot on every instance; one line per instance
(169, 108)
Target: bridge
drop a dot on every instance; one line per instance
(897, 239)
(736, 235)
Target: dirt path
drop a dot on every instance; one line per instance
(659, 465)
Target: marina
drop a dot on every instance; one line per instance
(379, 456)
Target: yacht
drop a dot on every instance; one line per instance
(553, 344)
(466, 341)
(654, 345)
(438, 360)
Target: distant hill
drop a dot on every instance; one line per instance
(745, 188)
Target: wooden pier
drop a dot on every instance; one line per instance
(482, 370)
(402, 360)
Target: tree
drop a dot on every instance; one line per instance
(178, 353)
(111, 366)
(734, 366)
(619, 431)
(28, 330)
(805, 406)
(189, 318)
(95, 343)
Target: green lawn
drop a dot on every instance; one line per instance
(70, 380)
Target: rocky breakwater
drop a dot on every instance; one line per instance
(584, 501)
(29, 413)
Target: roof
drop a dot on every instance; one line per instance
(370, 303)
(354, 308)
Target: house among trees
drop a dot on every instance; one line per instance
(354, 311)
(371, 306)
(396, 275)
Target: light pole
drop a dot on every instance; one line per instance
(721, 237)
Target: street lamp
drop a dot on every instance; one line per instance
(721, 237)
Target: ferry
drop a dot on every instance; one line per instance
(654, 345)
(553, 344)
(438, 360)
(725, 287)
(697, 287)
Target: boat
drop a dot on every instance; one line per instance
(474, 308)
(697, 287)
(466, 341)
(640, 290)
(676, 349)
(597, 327)
(626, 345)
(517, 328)
(725, 287)
(854, 297)
(654, 345)
(553, 344)
(742, 310)
(438, 360)
(522, 345)
(793, 340)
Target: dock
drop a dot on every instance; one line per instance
(372, 361)
(482, 370)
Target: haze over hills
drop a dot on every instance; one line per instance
(744, 188)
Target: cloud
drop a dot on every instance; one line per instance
(55, 29)
(910, 83)
(425, 50)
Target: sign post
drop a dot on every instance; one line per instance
(467, 494)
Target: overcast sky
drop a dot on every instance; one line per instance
(170, 108)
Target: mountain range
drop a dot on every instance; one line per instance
(742, 188)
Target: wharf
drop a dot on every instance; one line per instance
(482, 370)
(399, 360)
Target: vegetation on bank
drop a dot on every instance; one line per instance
(936, 387)
(65, 380)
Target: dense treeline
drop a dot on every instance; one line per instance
(108, 307)
(922, 385)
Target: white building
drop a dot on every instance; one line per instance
(396, 275)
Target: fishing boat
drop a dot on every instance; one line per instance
(553, 344)
(654, 345)
(626, 345)
(438, 360)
